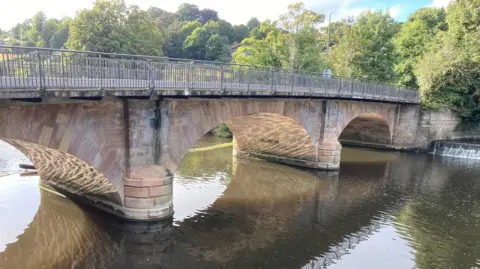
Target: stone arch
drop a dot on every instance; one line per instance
(368, 127)
(77, 147)
(342, 113)
(188, 120)
(338, 115)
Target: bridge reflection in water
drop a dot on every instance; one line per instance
(268, 216)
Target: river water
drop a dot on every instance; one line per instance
(381, 210)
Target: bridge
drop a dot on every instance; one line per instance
(110, 129)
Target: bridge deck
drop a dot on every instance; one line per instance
(39, 73)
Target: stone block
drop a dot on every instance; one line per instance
(147, 182)
(159, 190)
(139, 203)
(136, 192)
(162, 200)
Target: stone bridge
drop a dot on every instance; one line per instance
(110, 132)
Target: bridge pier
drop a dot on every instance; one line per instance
(329, 156)
(148, 186)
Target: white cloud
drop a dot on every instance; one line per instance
(395, 11)
(440, 3)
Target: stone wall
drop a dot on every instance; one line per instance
(417, 128)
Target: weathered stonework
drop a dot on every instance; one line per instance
(120, 155)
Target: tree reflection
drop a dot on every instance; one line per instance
(442, 221)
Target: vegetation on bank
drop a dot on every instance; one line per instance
(436, 50)
(222, 131)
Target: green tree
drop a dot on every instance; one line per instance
(253, 23)
(268, 51)
(304, 52)
(111, 27)
(414, 39)
(366, 49)
(240, 32)
(449, 74)
(188, 12)
(195, 43)
(174, 47)
(226, 29)
(292, 43)
(337, 30)
(206, 15)
(216, 49)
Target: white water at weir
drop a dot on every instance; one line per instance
(456, 149)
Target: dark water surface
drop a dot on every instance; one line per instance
(381, 210)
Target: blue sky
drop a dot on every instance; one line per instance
(234, 11)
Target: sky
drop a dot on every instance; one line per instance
(234, 11)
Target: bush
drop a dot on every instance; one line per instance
(222, 131)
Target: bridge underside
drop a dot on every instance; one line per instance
(120, 155)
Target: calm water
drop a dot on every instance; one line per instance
(381, 210)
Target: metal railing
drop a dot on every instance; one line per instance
(53, 69)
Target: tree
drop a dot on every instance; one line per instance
(337, 30)
(268, 51)
(216, 49)
(225, 29)
(111, 27)
(414, 39)
(366, 49)
(188, 12)
(304, 52)
(174, 46)
(449, 74)
(61, 35)
(206, 15)
(253, 23)
(240, 32)
(292, 42)
(195, 43)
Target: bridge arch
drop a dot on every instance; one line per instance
(72, 146)
(369, 128)
(339, 115)
(263, 128)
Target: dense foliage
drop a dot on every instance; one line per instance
(436, 51)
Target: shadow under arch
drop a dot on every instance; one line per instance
(188, 121)
(368, 128)
(67, 173)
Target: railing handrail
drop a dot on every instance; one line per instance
(43, 68)
(194, 61)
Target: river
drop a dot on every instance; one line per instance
(381, 210)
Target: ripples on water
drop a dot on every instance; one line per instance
(382, 210)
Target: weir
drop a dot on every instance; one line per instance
(459, 149)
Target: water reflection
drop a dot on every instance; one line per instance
(382, 210)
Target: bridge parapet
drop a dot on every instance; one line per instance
(39, 73)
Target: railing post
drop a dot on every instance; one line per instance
(352, 82)
(340, 87)
(363, 89)
(189, 80)
(273, 80)
(249, 77)
(222, 76)
(151, 77)
(41, 74)
(293, 81)
(312, 84)
(62, 64)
